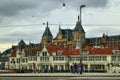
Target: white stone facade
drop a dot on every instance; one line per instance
(43, 60)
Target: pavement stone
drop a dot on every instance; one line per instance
(59, 75)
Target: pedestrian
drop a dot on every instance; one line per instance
(75, 66)
(51, 68)
(72, 68)
(80, 68)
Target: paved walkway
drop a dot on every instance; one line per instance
(60, 75)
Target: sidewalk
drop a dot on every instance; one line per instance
(60, 75)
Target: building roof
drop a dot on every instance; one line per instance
(93, 40)
(92, 50)
(21, 42)
(78, 27)
(101, 51)
(47, 32)
(67, 33)
(14, 53)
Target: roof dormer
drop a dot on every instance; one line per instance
(116, 52)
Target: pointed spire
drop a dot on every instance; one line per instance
(29, 43)
(78, 26)
(47, 23)
(78, 18)
(47, 31)
(59, 27)
(103, 34)
(21, 42)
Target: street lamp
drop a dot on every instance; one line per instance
(80, 12)
(81, 65)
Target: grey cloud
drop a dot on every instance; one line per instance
(15, 37)
(26, 33)
(89, 3)
(14, 8)
(11, 8)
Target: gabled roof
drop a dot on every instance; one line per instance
(31, 52)
(52, 48)
(14, 53)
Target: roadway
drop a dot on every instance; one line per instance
(59, 78)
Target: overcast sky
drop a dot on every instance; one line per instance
(23, 19)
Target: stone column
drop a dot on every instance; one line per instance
(88, 67)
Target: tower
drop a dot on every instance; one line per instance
(21, 45)
(76, 32)
(47, 37)
(104, 41)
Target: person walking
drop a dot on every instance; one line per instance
(76, 68)
(72, 68)
(80, 68)
(51, 69)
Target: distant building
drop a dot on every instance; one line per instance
(99, 53)
(105, 41)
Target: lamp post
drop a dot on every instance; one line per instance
(82, 6)
(81, 65)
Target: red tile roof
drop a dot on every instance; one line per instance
(100, 51)
(52, 48)
(92, 51)
(13, 54)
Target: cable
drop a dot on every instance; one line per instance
(61, 24)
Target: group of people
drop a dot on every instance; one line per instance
(76, 68)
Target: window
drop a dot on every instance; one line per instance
(58, 58)
(13, 61)
(85, 52)
(34, 58)
(44, 59)
(113, 58)
(118, 58)
(104, 58)
(72, 58)
(116, 51)
(84, 58)
(26, 60)
(44, 53)
(19, 53)
(61, 58)
(56, 67)
(23, 60)
(91, 58)
(37, 54)
(58, 53)
(61, 67)
(98, 58)
(30, 58)
(77, 58)
(18, 60)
